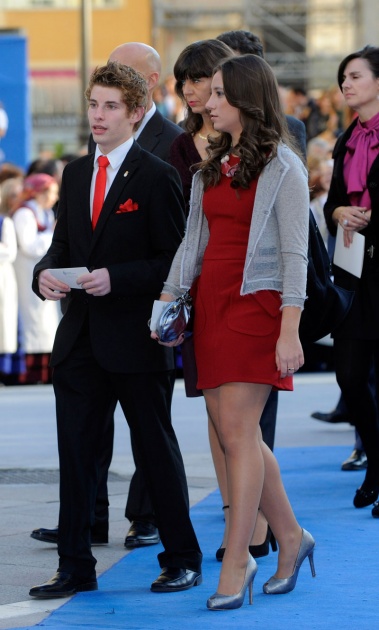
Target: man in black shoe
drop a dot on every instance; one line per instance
(155, 135)
(358, 459)
(51, 536)
(121, 218)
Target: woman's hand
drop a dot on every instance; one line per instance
(351, 219)
(167, 297)
(168, 344)
(289, 354)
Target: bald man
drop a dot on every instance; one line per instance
(155, 135)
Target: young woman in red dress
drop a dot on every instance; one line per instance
(246, 246)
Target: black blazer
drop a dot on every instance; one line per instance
(338, 193)
(297, 130)
(136, 247)
(156, 137)
(361, 321)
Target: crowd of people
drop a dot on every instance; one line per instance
(28, 204)
(155, 209)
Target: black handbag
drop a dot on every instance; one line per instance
(327, 304)
(174, 318)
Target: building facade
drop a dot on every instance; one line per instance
(304, 42)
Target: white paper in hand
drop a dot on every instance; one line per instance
(68, 275)
(350, 258)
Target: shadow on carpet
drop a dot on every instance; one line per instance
(343, 595)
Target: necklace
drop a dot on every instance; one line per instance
(201, 136)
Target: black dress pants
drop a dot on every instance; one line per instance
(353, 362)
(101, 518)
(138, 505)
(268, 419)
(84, 393)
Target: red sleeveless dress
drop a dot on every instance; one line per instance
(234, 336)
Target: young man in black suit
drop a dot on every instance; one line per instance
(102, 349)
(155, 134)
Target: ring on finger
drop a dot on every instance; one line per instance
(345, 222)
(290, 369)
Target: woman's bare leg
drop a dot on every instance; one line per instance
(219, 462)
(278, 511)
(235, 409)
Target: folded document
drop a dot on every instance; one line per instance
(69, 275)
(350, 258)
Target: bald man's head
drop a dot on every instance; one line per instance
(141, 57)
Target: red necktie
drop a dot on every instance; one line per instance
(100, 184)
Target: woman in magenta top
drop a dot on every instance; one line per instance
(353, 203)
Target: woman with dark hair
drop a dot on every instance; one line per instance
(353, 203)
(242, 42)
(193, 74)
(246, 243)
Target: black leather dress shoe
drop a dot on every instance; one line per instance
(51, 536)
(375, 510)
(356, 461)
(141, 534)
(45, 535)
(172, 580)
(63, 584)
(365, 496)
(333, 417)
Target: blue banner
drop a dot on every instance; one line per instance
(14, 99)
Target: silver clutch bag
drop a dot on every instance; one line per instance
(174, 318)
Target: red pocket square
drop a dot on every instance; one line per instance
(128, 206)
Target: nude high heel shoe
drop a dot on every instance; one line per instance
(229, 602)
(279, 586)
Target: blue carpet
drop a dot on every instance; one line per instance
(343, 596)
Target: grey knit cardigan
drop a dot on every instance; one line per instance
(276, 256)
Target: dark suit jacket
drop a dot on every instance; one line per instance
(297, 130)
(136, 247)
(360, 322)
(156, 137)
(338, 193)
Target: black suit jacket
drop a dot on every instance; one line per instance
(338, 196)
(156, 137)
(136, 247)
(297, 130)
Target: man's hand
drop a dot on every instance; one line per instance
(95, 283)
(50, 287)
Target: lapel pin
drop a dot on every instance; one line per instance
(126, 173)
